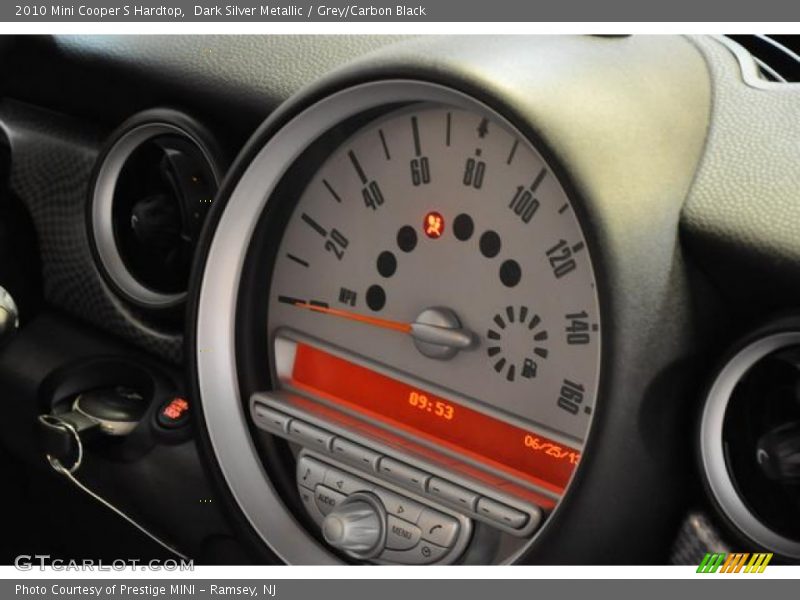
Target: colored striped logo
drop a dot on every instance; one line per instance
(735, 563)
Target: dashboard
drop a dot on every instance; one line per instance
(436, 300)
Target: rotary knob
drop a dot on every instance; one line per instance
(357, 526)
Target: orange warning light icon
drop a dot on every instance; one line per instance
(433, 225)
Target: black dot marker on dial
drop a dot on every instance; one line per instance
(490, 244)
(376, 297)
(387, 264)
(463, 227)
(510, 273)
(407, 238)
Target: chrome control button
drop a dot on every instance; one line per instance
(354, 453)
(308, 498)
(401, 535)
(270, 419)
(398, 505)
(401, 473)
(310, 472)
(423, 553)
(505, 515)
(452, 493)
(345, 483)
(437, 527)
(327, 499)
(310, 436)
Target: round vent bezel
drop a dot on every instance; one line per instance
(124, 142)
(776, 61)
(719, 481)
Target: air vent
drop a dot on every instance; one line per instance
(153, 188)
(776, 55)
(750, 441)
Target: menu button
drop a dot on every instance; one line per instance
(401, 535)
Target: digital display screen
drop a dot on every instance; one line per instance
(521, 452)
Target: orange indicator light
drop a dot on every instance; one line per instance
(175, 409)
(433, 225)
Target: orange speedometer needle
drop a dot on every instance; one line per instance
(346, 314)
(451, 337)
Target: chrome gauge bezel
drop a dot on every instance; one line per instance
(224, 411)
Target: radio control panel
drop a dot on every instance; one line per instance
(422, 516)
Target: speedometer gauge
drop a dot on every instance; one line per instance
(418, 317)
(438, 243)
